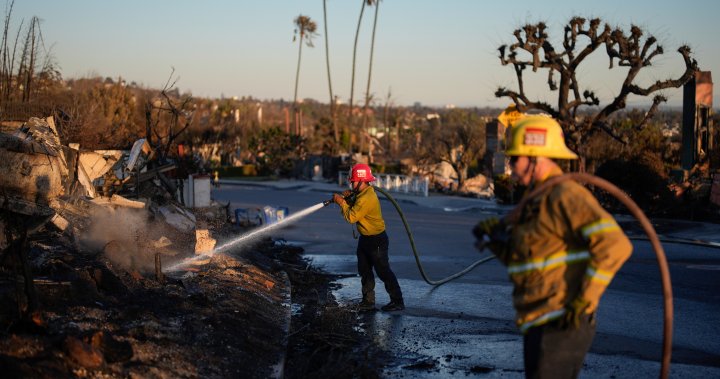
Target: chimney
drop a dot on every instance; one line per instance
(697, 128)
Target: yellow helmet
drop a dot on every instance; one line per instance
(538, 136)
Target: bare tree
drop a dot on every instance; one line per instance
(7, 57)
(459, 141)
(28, 58)
(306, 28)
(36, 68)
(171, 118)
(386, 119)
(582, 38)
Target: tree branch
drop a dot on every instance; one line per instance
(631, 50)
(651, 112)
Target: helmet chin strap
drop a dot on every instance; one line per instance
(532, 165)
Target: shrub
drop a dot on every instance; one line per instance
(643, 179)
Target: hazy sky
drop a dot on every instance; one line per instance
(428, 51)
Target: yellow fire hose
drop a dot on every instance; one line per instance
(513, 216)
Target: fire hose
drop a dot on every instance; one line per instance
(417, 256)
(514, 215)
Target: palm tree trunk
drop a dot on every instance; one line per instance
(297, 81)
(352, 80)
(367, 90)
(336, 134)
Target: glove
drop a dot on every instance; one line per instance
(485, 227)
(338, 199)
(491, 233)
(574, 311)
(349, 197)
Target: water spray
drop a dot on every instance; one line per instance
(261, 231)
(249, 237)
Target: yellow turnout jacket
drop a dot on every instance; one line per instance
(365, 212)
(564, 245)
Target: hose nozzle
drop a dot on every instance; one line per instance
(330, 201)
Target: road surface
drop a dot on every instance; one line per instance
(466, 327)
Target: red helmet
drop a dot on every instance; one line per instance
(361, 173)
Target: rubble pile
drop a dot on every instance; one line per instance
(84, 240)
(34, 169)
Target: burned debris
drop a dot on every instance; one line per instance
(86, 239)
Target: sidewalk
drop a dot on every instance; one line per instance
(441, 201)
(683, 231)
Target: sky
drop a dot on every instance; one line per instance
(432, 52)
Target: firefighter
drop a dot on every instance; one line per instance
(561, 254)
(372, 248)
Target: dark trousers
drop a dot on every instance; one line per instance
(372, 253)
(554, 351)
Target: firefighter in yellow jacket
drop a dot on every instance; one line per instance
(372, 250)
(560, 255)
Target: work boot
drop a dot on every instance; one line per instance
(366, 306)
(394, 306)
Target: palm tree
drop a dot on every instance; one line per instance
(307, 30)
(352, 80)
(372, 49)
(327, 61)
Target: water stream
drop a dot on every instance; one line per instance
(247, 238)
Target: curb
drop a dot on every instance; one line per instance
(278, 369)
(246, 183)
(684, 241)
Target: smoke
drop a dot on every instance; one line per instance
(128, 237)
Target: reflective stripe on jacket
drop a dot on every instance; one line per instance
(365, 212)
(564, 245)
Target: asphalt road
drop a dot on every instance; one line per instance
(466, 327)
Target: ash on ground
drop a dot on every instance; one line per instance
(224, 317)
